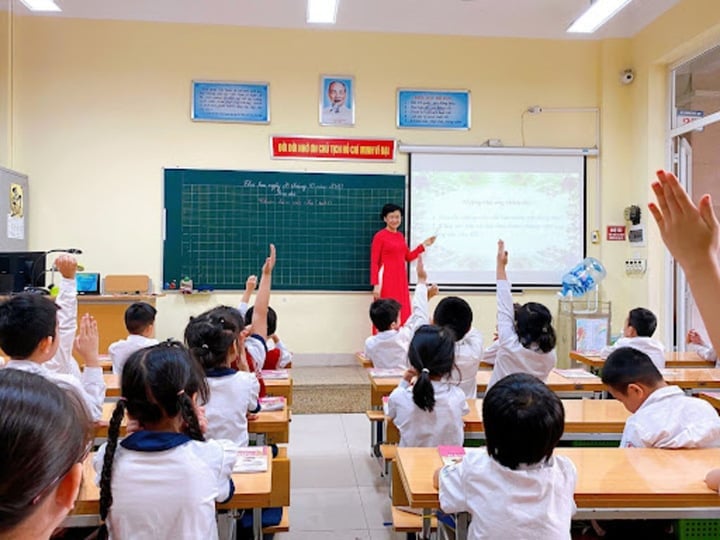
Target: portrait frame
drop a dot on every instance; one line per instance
(344, 116)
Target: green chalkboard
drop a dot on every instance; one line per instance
(218, 225)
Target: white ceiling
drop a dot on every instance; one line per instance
(510, 18)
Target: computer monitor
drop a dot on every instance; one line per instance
(20, 269)
(88, 282)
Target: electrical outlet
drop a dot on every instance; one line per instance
(635, 267)
(595, 237)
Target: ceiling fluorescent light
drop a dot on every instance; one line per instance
(41, 5)
(597, 14)
(322, 11)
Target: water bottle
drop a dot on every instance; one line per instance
(583, 277)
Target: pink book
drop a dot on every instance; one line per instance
(251, 459)
(272, 403)
(451, 454)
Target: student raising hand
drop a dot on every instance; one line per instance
(87, 341)
(269, 262)
(66, 265)
(502, 260)
(421, 272)
(691, 233)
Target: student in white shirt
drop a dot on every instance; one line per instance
(140, 324)
(515, 488)
(637, 333)
(388, 348)
(216, 341)
(45, 434)
(663, 416)
(29, 335)
(162, 481)
(526, 337)
(456, 314)
(705, 351)
(426, 408)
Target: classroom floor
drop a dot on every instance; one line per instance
(336, 489)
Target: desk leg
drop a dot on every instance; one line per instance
(257, 523)
(426, 523)
(226, 525)
(461, 526)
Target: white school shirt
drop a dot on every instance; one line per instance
(670, 419)
(388, 349)
(531, 503)
(654, 349)
(706, 352)
(63, 361)
(443, 426)
(164, 486)
(512, 357)
(90, 387)
(468, 353)
(233, 394)
(121, 350)
(490, 354)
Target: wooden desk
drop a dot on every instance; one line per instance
(612, 482)
(252, 490)
(112, 385)
(693, 379)
(109, 312)
(363, 360)
(585, 419)
(269, 426)
(591, 384)
(280, 387)
(672, 360)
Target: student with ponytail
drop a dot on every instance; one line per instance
(426, 407)
(45, 435)
(526, 338)
(162, 481)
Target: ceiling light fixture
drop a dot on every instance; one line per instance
(322, 11)
(599, 12)
(41, 5)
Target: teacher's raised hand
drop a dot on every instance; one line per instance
(429, 241)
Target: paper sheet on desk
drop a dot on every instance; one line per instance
(251, 459)
(576, 373)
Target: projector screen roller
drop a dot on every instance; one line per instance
(535, 203)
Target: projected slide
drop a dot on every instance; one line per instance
(534, 203)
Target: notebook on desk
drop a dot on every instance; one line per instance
(88, 282)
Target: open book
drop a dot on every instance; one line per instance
(272, 403)
(386, 373)
(575, 373)
(451, 454)
(251, 459)
(273, 374)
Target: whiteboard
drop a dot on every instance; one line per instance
(535, 203)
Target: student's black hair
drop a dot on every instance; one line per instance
(523, 420)
(271, 319)
(138, 316)
(643, 321)
(389, 208)
(626, 366)
(432, 354)
(25, 320)
(210, 335)
(156, 382)
(384, 312)
(533, 322)
(44, 431)
(454, 313)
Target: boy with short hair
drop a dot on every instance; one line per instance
(140, 324)
(637, 333)
(30, 335)
(456, 314)
(388, 348)
(663, 416)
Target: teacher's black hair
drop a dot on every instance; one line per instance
(389, 208)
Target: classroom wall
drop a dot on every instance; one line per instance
(101, 107)
(5, 33)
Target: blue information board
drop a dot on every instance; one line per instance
(433, 109)
(231, 102)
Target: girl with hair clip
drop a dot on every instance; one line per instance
(40, 478)
(162, 481)
(429, 412)
(526, 337)
(217, 343)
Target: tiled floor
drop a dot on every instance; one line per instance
(336, 489)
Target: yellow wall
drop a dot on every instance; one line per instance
(101, 107)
